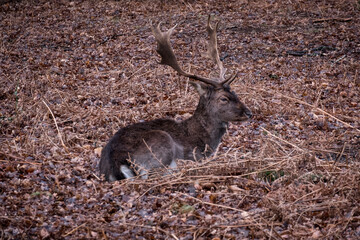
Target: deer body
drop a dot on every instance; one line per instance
(142, 147)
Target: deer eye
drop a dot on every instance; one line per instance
(224, 99)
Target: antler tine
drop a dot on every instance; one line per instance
(165, 50)
(213, 51)
(168, 57)
(229, 80)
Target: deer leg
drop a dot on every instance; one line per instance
(126, 171)
(158, 151)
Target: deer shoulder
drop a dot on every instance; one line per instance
(143, 147)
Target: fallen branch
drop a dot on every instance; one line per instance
(332, 19)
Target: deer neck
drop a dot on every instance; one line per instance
(207, 127)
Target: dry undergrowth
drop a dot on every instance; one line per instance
(73, 73)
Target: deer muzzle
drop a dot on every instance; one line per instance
(248, 113)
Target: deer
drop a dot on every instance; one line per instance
(142, 147)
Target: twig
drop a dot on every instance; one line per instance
(340, 58)
(332, 19)
(74, 230)
(297, 200)
(309, 105)
(265, 231)
(25, 162)
(17, 158)
(243, 225)
(318, 109)
(153, 154)
(158, 185)
(323, 150)
(141, 68)
(104, 235)
(244, 214)
(188, 5)
(339, 156)
(291, 144)
(350, 218)
(204, 178)
(57, 128)
(96, 176)
(12, 156)
(153, 227)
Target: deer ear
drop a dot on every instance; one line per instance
(200, 87)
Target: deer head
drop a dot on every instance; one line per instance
(224, 104)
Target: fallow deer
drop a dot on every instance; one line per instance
(145, 146)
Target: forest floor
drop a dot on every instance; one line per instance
(74, 72)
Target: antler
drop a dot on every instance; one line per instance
(168, 57)
(213, 52)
